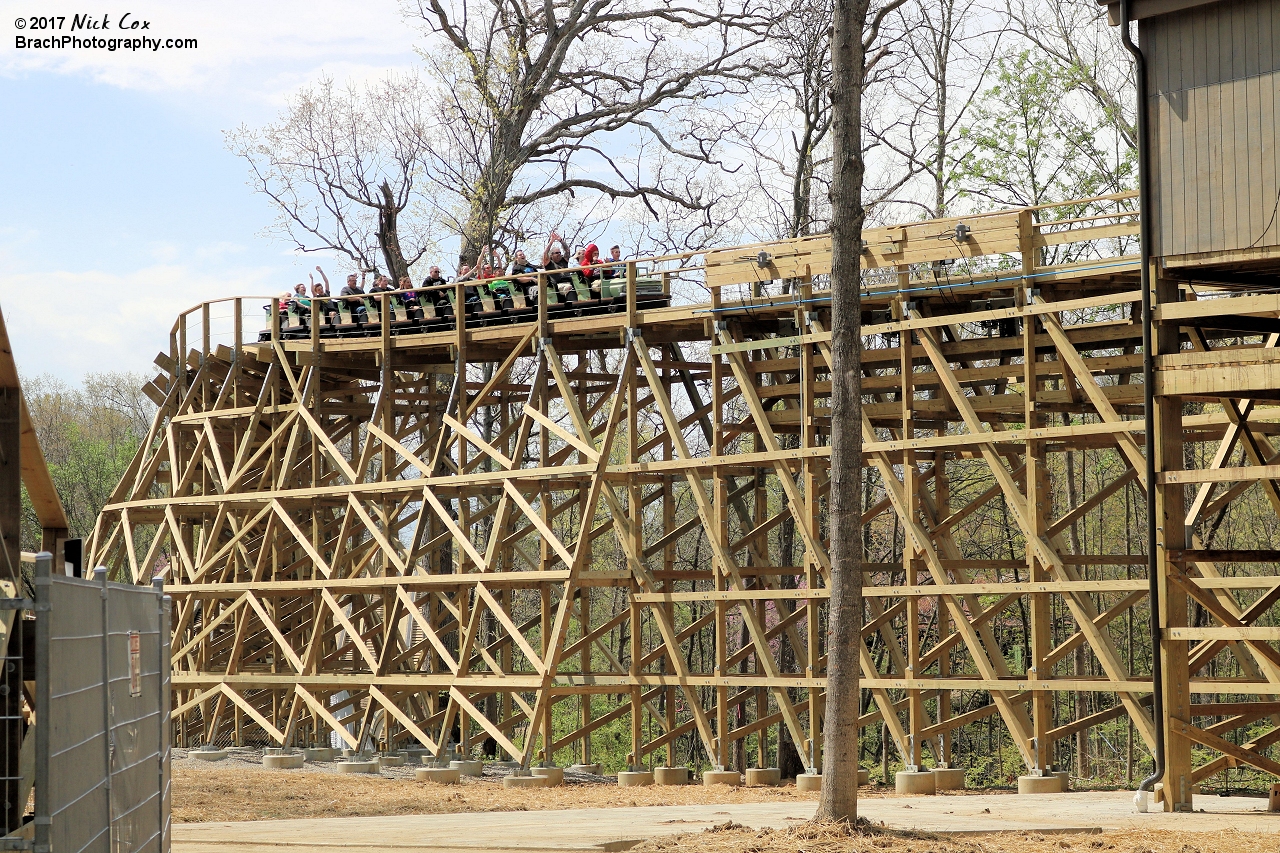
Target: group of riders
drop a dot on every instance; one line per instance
(490, 276)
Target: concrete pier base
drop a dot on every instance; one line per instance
(467, 767)
(671, 775)
(356, 765)
(206, 754)
(914, 782)
(593, 769)
(439, 775)
(810, 782)
(1065, 776)
(634, 778)
(514, 781)
(553, 775)
(318, 753)
(391, 759)
(948, 778)
(283, 761)
(763, 777)
(722, 777)
(864, 776)
(1039, 784)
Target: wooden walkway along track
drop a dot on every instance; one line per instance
(534, 533)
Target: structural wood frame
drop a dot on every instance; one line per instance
(520, 535)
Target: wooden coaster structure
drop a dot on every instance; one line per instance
(465, 535)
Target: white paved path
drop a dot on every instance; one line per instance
(619, 828)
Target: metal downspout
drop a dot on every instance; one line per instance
(1148, 402)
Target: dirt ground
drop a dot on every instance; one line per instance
(241, 789)
(829, 838)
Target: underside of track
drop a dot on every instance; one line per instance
(529, 534)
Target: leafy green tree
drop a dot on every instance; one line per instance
(1028, 142)
(89, 434)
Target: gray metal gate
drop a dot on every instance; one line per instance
(102, 686)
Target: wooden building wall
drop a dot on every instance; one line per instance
(1214, 76)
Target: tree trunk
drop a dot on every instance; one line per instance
(839, 799)
(389, 237)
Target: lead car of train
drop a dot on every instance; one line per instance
(433, 309)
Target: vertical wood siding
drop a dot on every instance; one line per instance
(1214, 101)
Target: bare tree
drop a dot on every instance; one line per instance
(852, 37)
(948, 54)
(542, 98)
(341, 166)
(786, 136)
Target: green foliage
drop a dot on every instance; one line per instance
(89, 435)
(1031, 140)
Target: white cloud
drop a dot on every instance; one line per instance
(71, 323)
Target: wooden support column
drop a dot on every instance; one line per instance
(942, 506)
(811, 475)
(720, 532)
(1039, 508)
(1171, 535)
(635, 520)
(911, 482)
(10, 487)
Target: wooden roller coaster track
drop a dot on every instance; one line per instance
(480, 533)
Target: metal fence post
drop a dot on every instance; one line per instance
(44, 699)
(163, 672)
(100, 576)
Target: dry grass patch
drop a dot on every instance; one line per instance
(841, 838)
(203, 793)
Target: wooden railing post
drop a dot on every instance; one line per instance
(632, 320)
(543, 329)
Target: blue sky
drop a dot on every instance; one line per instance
(121, 206)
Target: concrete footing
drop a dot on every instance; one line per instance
(763, 777)
(864, 776)
(203, 754)
(514, 781)
(1065, 776)
(948, 778)
(593, 769)
(318, 753)
(467, 767)
(439, 775)
(914, 782)
(391, 759)
(356, 765)
(671, 775)
(722, 777)
(811, 782)
(634, 778)
(553, 775)
(1039, 784)
(283, 761)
